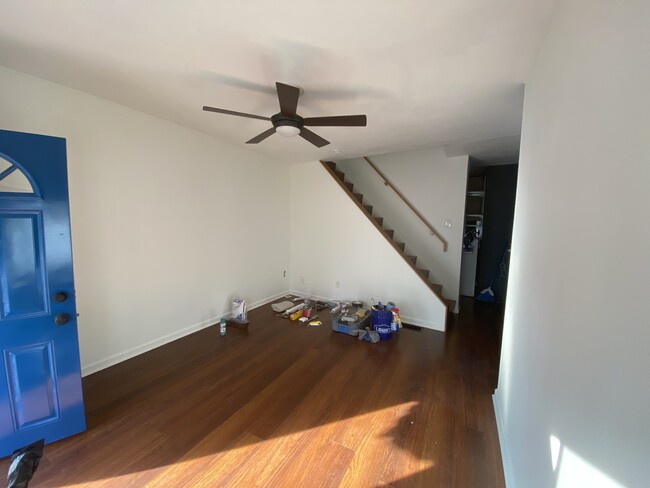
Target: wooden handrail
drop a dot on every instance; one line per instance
(387, 182)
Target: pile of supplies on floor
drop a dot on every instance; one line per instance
(303, 312)
(373, 324)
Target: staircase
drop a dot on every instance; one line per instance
(382, 227)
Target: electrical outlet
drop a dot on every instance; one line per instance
(284, 274)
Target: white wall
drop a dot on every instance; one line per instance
(332, 240)
(575, 363)
(167, 223)
(436, 186)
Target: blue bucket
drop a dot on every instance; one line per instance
(381, 317)
(384, 332)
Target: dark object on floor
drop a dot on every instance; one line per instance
(237, 324)
(23, 465)
(488, 294)
(366, 335)
(412, 327)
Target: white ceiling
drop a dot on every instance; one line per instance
(426, 72)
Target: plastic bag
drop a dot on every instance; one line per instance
(23, 465)
(239, 309)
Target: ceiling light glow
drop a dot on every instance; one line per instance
(287, 130)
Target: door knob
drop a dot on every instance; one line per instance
(61, 318)
(60, 296)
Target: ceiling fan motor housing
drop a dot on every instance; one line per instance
(279, 120)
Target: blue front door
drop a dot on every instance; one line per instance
(40, 378)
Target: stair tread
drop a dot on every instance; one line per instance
(358, 196)
(390, 232)
(423, 271)
(340, 174)
(368, 208)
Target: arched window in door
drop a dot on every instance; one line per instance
(13, 180)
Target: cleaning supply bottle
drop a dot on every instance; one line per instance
(393, 323)
(222, 327)
(396, 322)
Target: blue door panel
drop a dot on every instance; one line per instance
(32, 385)
(23, 275)
(40, 374)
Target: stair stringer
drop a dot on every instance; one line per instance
(433, 288)
(444, 266)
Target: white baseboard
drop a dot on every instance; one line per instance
(311, 296)
(160, 341)
(423, 323)
(503, 442)
(409, 320)
(267, 300)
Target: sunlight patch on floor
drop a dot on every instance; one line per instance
(291, 457)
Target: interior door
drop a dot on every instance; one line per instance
(40, 377)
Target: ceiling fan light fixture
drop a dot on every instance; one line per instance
(287, 130)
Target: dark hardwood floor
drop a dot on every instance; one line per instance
(285, 405)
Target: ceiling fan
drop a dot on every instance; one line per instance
(288, 123)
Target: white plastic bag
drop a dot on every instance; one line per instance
(239, 309)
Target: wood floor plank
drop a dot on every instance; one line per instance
(209, 470)
(328, 466)
(296, 439)
(365, 468)
(271, 404)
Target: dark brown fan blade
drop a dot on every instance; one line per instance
(314, 138)
(288, 98)
(262, 136)
(230, 112)
(337, 121)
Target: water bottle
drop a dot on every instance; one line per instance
(222, 327)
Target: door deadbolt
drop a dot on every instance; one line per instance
(60, 296)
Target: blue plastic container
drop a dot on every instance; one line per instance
(384, 332)
(347, 327)
(381, 317)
